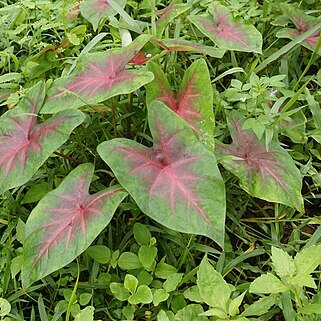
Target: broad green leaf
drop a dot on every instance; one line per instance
(193, 294)
(226, 31)
(66, 221)
(95, 10)
(119, 291)
(212, 287)
(97, 77)
(310, 308)
(35, 193)
(191, 313)
(160, 295)
(267, 174)
(283, 263)
(5, 307)
(142, 295)
(303, 22)
(176, 182)
(233, 307)
(164, 270)
(26, 144)
(130, 283)
(87, 314)
(147, 255)
(100, 253)
(129, 261)
(190, 46)
(260, 306)
(142, 234)
(268, 283)
(308, 260)
(172, 282)
(193, 102)
(169, 14)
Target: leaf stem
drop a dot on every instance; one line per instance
(130, 117)
(112, 106)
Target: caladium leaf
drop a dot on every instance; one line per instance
(190, 46)
(176, 181)
(25, 144)
(267, 174)
(95, 10)
(65, 222)
(169, 14)
(303, 23)
(193, 101)
(97, 77)
(226, 31)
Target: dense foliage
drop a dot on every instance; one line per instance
(160, 160)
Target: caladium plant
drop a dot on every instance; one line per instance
(97, 77)
(169, 14)
(226, 31)
(303, 23)
(176, 181)
(193, 101)
(95, 10)
(25, 144)
(267, 174)
(65, 222)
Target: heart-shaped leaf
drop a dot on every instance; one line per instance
(65, 222)
(303, 23)
(267, 174)
(169, 14)
(25, 144)
(193, 101)
(97, 77)
(177, 181)
(190, 46)
(95, 10)
(226, 31)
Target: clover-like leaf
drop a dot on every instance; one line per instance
(267, 174)
(190, 46)
(168, 14)
(25, 144)
(176, 181)
(65, 222)
(303, 22)
(226, 31)
(95, 10)
(193, 101)
(97, 77)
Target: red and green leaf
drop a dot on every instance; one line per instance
(97, 77)
(25, 144)
(267, 174)
(169, 14)
(65, 222)
(176, 181)
(190, 46)
(226, 31)
(95, 10)
(193, 101)
(303, 23)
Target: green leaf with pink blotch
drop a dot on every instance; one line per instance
(168, 14)
(176, 181)
(97, 77)
(226, 31)
(193, 101)
(303, 22)
(65, 222)
(25, 144)
(95, 10)
(267, 174)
